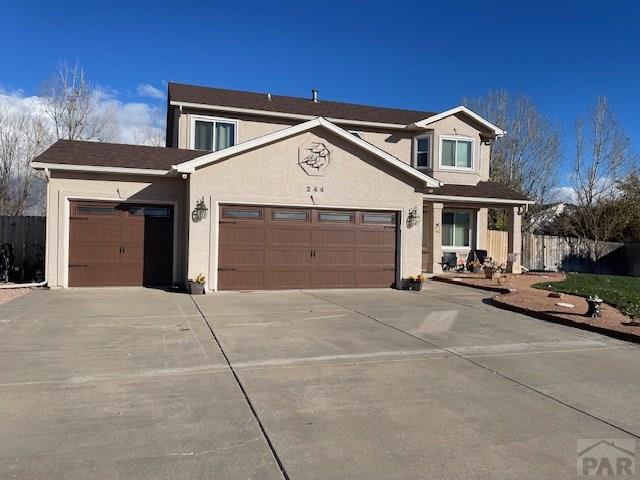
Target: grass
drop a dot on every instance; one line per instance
(621, 292)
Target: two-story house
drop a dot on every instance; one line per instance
(260, 191)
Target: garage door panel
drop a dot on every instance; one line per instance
(291, 257)
(299, 236)
(289, 279)
(301, 248)
(239, 279)
(242, 234)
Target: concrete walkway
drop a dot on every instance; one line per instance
(369, 384)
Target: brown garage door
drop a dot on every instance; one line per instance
(120, 244)
(279, 248)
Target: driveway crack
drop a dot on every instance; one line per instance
(265, 435)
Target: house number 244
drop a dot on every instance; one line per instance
(314, 189)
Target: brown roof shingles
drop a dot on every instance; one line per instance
(302, 106)
(99, 154)
(481, 190)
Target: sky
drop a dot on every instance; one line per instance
(424, 55)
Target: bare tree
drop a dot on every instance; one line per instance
(22, 137)
(528, 157)
(74, 107)
(149, 136)
(603, 156)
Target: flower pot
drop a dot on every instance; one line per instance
(415, 285)
(488, 273)
(196, 288)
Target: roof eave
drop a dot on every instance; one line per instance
(101, 169)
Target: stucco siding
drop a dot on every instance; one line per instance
(67, 186)
(271, 175)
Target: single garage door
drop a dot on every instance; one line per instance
(120, 244)
(278, 248)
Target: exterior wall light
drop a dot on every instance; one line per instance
(200, 212)
(412, 218)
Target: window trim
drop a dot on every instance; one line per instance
(211, 119)
(472, 222)
(415, 151)
(458, 138)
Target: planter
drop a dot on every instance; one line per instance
(489, 273)
(196, 288)
(415, 285)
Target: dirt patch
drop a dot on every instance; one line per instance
(517, 294)
(7, 294)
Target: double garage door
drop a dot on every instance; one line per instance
(120, 244)
(278, 248)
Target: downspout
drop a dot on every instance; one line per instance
(47, 175)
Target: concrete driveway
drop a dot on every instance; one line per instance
(377, 384)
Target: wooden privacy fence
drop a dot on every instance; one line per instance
(26, 234)
(551, 253)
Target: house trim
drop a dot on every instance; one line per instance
(191, 165)
(429, 165)
(99, 169)
(451, 198)
(461, 109)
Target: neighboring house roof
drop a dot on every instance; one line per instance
(191, 165)
(461, 109)
(192, 94)
(113, 157)
(482, 190)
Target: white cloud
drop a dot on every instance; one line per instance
(137, 122)
(148, 90)
(563, 194)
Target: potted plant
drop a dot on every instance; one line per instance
(415, 282)
(490, 269)
(196, 287)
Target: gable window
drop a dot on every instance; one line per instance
(456, 153)
(423, 151)
(212, 134)
(456, 229)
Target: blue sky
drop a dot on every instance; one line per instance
(422, 55)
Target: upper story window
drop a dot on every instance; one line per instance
(212, 134)
(423, 151)
(456, 152)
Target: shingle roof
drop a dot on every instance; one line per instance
(303, 106)
(99, 154)
(481, 190)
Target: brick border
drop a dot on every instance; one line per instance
(450, 281)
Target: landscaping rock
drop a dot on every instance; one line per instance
(565, 305)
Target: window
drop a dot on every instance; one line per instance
(423, 152)
(456, 229)
(95, 210)
(384, 218)
(294, 215)
(336, 217)
(155, 212)
(213, 134)
(245, 213)
(456, 153)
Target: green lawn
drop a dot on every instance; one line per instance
(621, 292)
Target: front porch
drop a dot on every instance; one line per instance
(456, 227)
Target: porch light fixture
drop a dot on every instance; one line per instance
(200, 212)
(412, 218)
